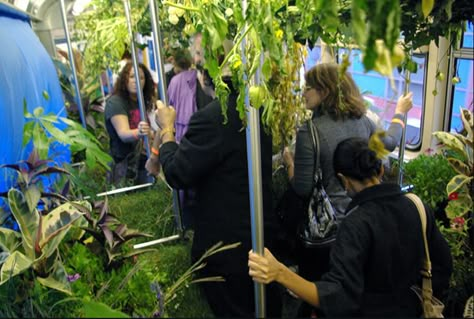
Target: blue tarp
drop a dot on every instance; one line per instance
(26, 71)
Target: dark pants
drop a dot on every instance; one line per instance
(312, 264)
(129, 171)
(235, 296)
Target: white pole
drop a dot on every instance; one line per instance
(156, 242)
(158, 53)
(72, 62)
(162, 90)
(401, 148)
(255, 177)
(141, 103)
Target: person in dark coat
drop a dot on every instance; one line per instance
(212, 159)
(379, 249)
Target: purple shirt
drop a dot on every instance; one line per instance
(182, 96)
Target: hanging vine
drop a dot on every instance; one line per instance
(276, 33)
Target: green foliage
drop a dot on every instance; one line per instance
(125, 288)
(22, 297)
(461, 158)
(37, 246)
(109, 235)
(149, 210)
(104, 30)
(461, 286)
(93, 309)
(428, 186)
(41, 129)
(91, 99)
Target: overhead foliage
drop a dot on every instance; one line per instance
(271, 29)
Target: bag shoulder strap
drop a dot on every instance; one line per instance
(316, 148)
(422, 212)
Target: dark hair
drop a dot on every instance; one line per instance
(121, 89)
(182, 58)
(340, 95)
(353, 158)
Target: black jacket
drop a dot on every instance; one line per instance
(212, 159)
(378, 255)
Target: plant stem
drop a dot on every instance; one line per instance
(180, 6)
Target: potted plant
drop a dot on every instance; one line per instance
(431, 188)
(458, 150)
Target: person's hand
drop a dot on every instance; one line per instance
(165, 115)
(288, 157)
(143, 128)
(404, 103)
(264, 269)
(152, 166)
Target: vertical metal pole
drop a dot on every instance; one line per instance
(401, 148)
(158, 53)
(255, 178)
(141, 103)
(163, 93)
(73, 65)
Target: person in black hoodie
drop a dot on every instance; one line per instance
(212, 159)
(378, 252)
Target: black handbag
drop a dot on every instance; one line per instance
(319, 226)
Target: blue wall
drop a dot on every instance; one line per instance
(26, 71)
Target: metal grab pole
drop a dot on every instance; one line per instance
(162, 90)
(73, 65)
(255, 178)
(158, 54)
(141, 103)
(401, 148)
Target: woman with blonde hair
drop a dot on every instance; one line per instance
(339, 112)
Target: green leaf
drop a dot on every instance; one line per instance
(451, 141)
(45, 95)
(57, 279)
(458, 207)
(93, 309)
(55, 226)
(56, 133)
(40, 141)
(28, 220)
(267, 68)
(427, 7)
(38, 112)
(9, 240)
(459, 166)
(28, 132)
(32, 195)
(358, 22)
(14, 265)
(457, 182)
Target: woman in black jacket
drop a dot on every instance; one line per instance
(379, 249)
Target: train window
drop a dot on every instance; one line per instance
(383, 95)
(467, 38)
(462, 92)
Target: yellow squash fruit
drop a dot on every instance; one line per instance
(256, 95)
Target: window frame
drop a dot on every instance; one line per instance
(455, 54)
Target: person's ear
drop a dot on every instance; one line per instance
(324, 94)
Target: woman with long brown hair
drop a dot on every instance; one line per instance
(122, 121)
